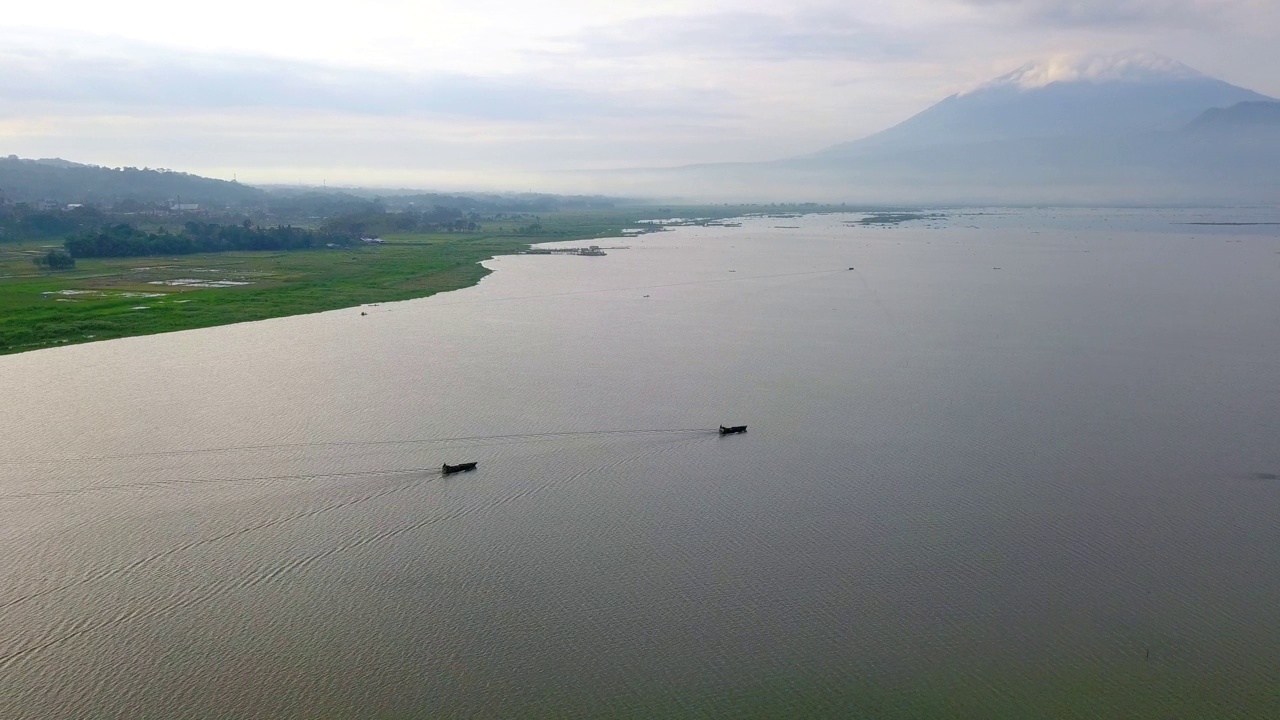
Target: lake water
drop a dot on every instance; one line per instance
(1016, 463)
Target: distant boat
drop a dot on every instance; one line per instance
(733, 430)
(448, 469)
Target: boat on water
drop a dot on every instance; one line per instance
(448, 469)
(733, 430)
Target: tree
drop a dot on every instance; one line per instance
(54, 260)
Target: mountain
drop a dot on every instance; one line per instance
(62, 181)
(1128, 128)
(1091, 96)
(1242, 117)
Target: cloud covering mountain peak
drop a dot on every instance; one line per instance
(1130, 66)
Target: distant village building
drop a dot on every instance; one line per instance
(371, 240)
(184, 207)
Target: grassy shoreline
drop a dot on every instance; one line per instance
(108, 298)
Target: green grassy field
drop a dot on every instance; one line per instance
(120, 297)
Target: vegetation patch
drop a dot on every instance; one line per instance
(893, 218)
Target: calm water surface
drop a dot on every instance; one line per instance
(1015, 464)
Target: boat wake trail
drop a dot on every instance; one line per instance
(875, 297)
(342, 443)
(224, 480)
(298, 564)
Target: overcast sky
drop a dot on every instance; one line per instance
(489, 94)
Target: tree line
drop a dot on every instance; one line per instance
(22, 222)
(376, 220)
(124, 240)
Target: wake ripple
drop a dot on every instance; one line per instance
(145, 561)
(298, 564)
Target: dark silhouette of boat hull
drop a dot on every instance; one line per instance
(448, 469)
(734, 430)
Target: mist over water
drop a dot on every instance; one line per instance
(1013, 463)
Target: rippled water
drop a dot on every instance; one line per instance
(1015, 464)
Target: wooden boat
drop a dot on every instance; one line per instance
(733, 430)
(448, 469)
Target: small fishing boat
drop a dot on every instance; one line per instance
(736, 429)
(448, 469)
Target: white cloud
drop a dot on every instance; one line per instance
(1131, 65)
